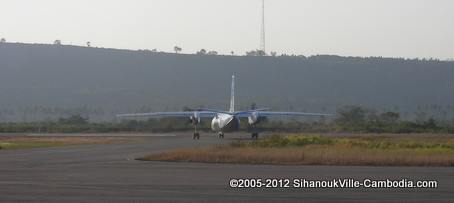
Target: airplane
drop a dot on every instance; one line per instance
(224, 121)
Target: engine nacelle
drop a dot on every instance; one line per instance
(254, 118)
(194, 119)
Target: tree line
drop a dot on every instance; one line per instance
(350, 119)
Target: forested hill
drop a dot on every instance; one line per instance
(47, 81)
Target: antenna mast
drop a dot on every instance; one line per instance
(263, 36)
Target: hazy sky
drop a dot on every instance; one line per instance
(396, 28)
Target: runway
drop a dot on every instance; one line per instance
(109, 173)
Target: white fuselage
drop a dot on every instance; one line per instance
(225, 123)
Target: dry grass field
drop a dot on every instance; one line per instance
(370, 150)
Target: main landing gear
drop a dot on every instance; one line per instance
(255, 136)
(196, 135)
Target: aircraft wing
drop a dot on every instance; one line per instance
(282, 114)
(201, 114)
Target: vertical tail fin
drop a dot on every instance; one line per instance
(232, 95)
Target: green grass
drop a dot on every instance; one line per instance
(25, 142)
(28, 145)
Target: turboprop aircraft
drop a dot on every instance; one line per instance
(225, 121)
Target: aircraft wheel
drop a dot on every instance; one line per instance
(255, 136)
(196, 136)
(221, 135)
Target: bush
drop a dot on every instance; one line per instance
(451, 129)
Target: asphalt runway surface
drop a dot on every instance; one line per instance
(109, 173)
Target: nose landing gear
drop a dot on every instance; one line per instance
(221, 135)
